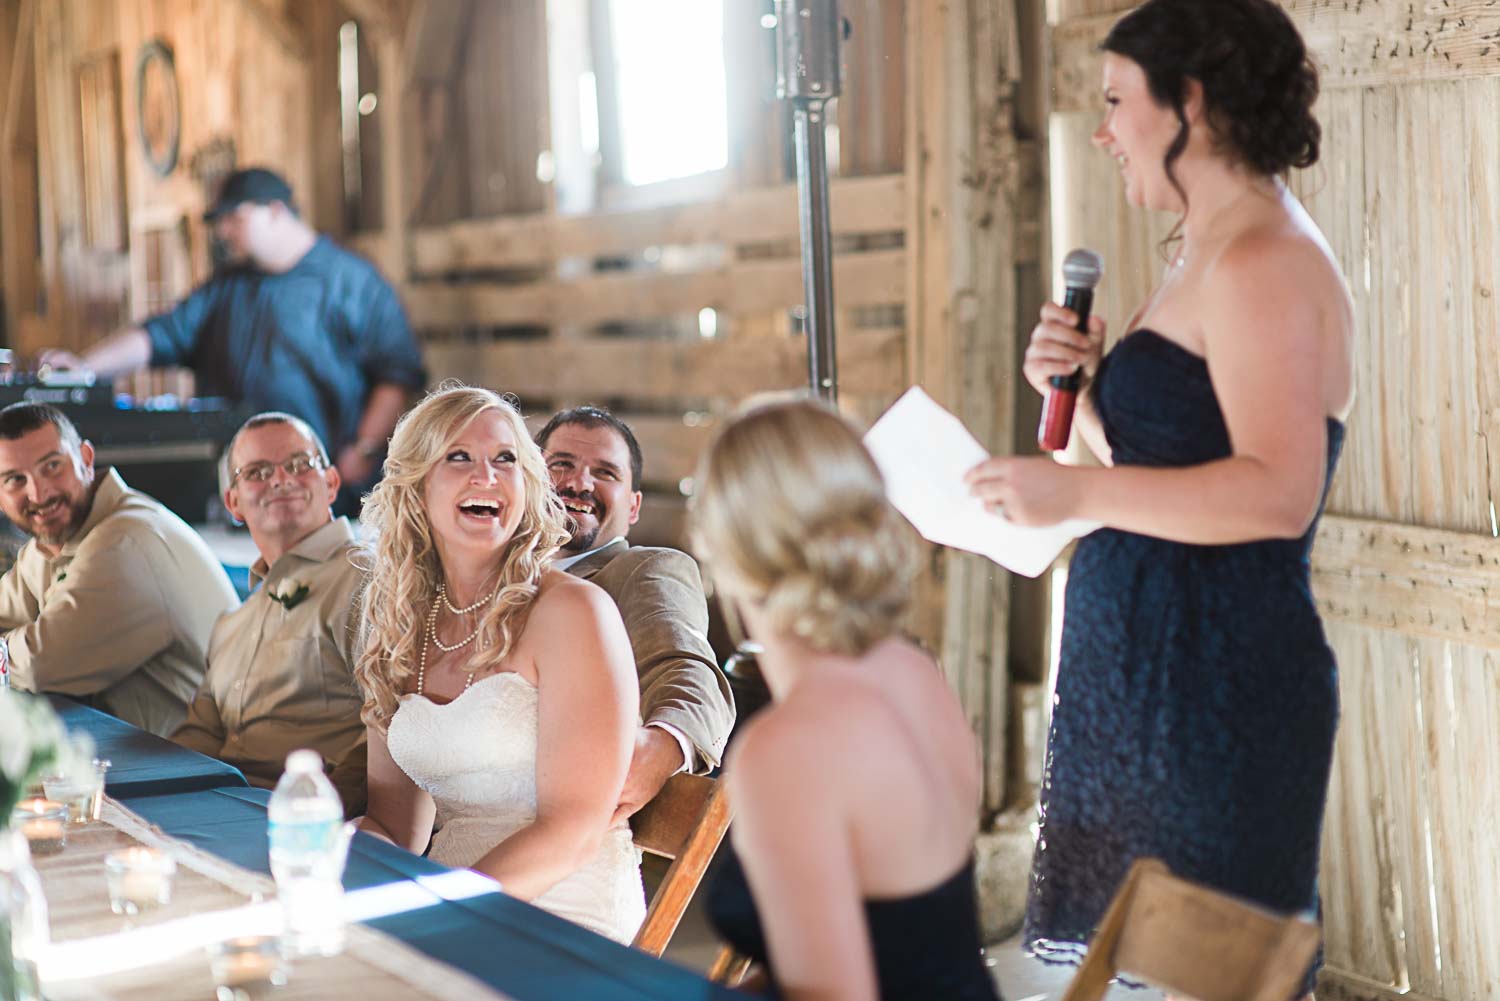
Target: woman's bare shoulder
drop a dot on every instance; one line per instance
(561, 593)
(571, 617)
(1282, 254)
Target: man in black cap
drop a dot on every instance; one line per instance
(293, 323)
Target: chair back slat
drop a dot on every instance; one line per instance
(685, 822)
(1194, 941)
(664, 825)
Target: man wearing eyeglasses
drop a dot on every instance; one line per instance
(280, 667)
(113, 598)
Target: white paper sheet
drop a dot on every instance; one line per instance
(924, 451)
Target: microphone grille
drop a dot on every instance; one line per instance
(1082, 269)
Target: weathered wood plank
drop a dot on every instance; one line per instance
(755, 215)
(1368, 44)
(1077, 62)
(1481, 145)
(875, 278)
(639, 368)
(1337, 985)
(968, 202)
(1355, 44)
(1416, 581)
(663, 521)
(1363, 904)
(18, 187)
(671, 447)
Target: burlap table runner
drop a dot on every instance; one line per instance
(160, 955)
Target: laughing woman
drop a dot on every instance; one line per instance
(500, 696)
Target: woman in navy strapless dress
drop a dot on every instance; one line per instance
(1196, 696)
(856, 791)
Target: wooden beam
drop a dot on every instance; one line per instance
(1077, 63)
(278, 28)
(968, 201)
(379, 17)
(639, 368)
(670, 446)
(663, 521)
(1366, 44)
(1412, 580)
(858, 205)
(319, 23)
(746, 287)
(394, 144)
(61, 197)
(1339, 985)
(18, 192)
(436, 40)
(1355, 44)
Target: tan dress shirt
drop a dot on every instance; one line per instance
(282, 678)
(121, 615)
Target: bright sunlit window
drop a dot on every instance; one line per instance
(669, 63)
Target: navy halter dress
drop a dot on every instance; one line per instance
(1196, 696)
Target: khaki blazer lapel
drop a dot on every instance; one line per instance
(594, 562)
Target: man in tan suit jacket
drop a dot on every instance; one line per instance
(686, 702)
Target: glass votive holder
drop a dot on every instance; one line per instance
(246, 967)
(44, 822)
(83, 794)
(139, 879)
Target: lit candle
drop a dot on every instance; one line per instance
(139, 879)
(242, 964)
(44, 824)
(246, 970)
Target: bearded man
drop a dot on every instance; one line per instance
(113, 598)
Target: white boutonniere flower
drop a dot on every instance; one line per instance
(288, 591)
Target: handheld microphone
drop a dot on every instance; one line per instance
(1081, 270)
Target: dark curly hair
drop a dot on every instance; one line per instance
(1258, 83)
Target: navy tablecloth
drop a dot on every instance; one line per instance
(143, 763)
(507, 943)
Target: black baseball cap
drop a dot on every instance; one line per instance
(253, 184)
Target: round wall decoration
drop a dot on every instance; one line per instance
(158, 111)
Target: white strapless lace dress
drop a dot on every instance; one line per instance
(476, 757)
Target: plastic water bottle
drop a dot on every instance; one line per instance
(307, 856)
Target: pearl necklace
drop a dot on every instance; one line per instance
(432, 635)
(443, 594)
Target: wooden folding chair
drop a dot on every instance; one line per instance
(1193, 941)
(730, 968)
(684, 822)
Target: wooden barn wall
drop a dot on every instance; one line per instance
(607, 306)
(1407, 565)
(116, 238)
(935, 210)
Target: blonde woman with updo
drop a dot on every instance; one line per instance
(500, 695)
(857, 791)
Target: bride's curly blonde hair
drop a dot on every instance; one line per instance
(402, 561)
(791, 514)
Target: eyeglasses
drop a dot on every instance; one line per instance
(298, 465)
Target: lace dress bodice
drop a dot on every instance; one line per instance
(476, 758)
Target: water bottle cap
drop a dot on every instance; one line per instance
(304, 761)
